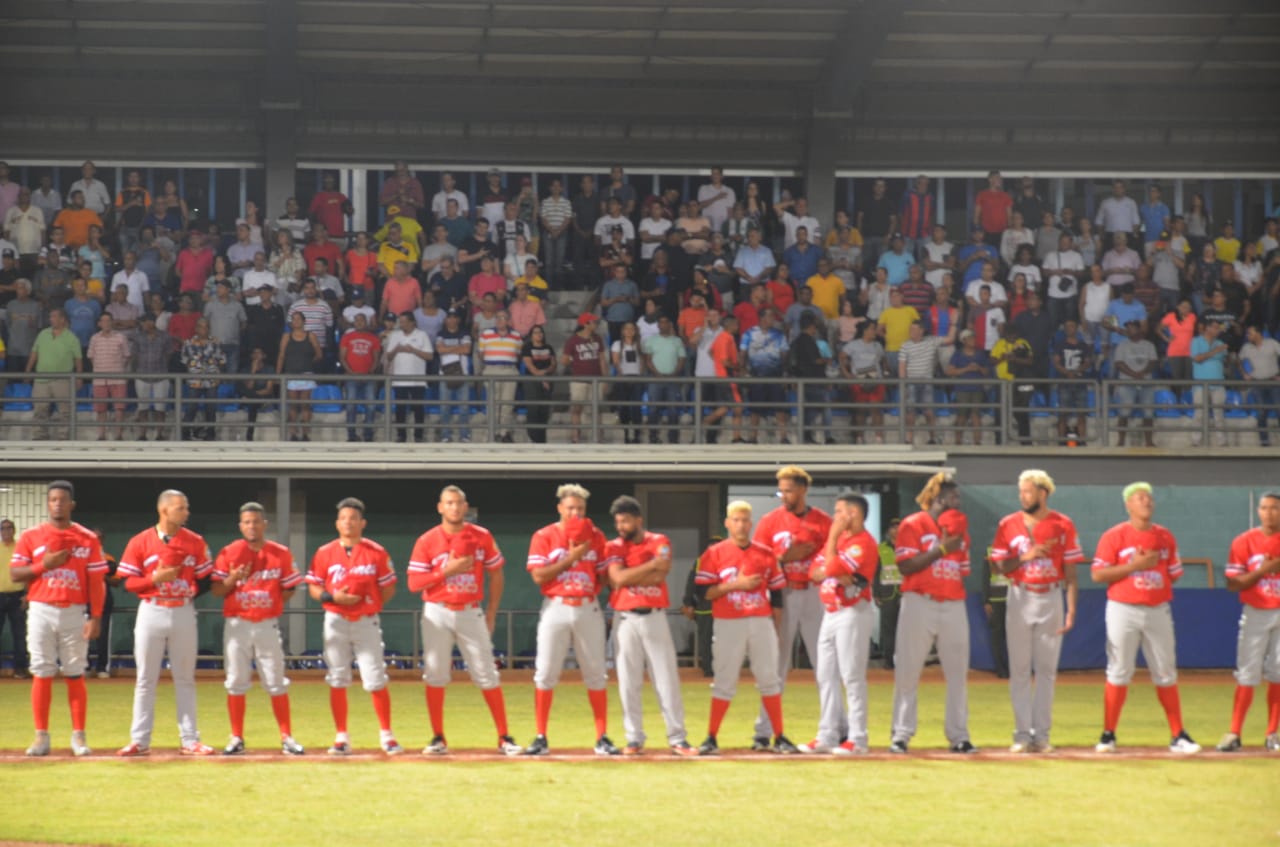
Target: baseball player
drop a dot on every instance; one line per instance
(256, 577)
(1038, 549)
(1253, 570)
(353, 577)
(566, 559)
(744, 583)
(888, 594)
(843, 572)
(638, 562)
(796, 532)
(448, 565)
(163, 565)
(62, 564)
(933, 555)
(1138, 562)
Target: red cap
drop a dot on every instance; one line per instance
(586, 318)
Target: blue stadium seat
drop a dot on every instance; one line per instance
(226, 392)
(943, 400)
(1235, 405)
(18, 397)
(332, 397)
(1167, 404)
(85, 392)
(1039, 405)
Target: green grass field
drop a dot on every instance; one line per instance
(1209, 800)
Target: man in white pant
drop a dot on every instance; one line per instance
(796, 532)
(163, 565)
(638, 563)
(843, 572)
(1038, 549)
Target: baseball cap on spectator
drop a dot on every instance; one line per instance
(454, 313)
(966, 333)
(393, 210)
(357, 293)
(720, 263)
(897, 236)
(8, 254)
(586, 318)
(266, 286)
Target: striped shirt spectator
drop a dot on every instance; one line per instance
(500, 348)
(316, 313)
(918, 358)
(554, 211)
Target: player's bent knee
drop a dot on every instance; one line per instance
(1120, 678)
(1164, 680)
(338, 680)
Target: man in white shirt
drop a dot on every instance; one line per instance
(1064, 268)
(716, 199)
(258, 276)
(653, 232)
(96, 195)
(792, 221)
(448, 191)
(614, 219)
(1118, 213)
(938, 258)
(132, 280)
(987, 278)
(406, 352)
(1261, 359)
(358, 307)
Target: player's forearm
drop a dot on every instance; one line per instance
(220, 588)
(139, 584)
(497, 583)
(715, 592)
(388, 591)
(920, 561)
(1110, 574)
(97, 594)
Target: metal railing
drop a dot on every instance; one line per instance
(674, 409)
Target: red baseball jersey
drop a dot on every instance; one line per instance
(855, 554)
(944, 578)
(652, 546)
(552, 543)
(260, 595)
(73, 583)
(779, 529)
(149, 550)
(1056, 532)
(1248, 551)
(724, 561)
(434, 548)
(364, 569)
(1140, 588)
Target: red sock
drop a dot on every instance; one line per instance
(600, 709)
(1112, 702)
(435, 708)
(78, 700)
(382, 708)
(1240, 707)
(1168, 695)
(280, 706)
(497, 708)
(718, 709)
(41, 696)
(773, 708)
(1273, 707)
(542, 708)
(235, 710)
(338, 705)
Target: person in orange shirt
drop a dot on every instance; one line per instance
(692, 318)
(723, 351)
(75, 221)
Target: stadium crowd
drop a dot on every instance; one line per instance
(710, 285)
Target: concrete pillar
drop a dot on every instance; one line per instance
(820, 170)
(280, 104)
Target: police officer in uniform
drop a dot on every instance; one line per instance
(697, 608)
(887, 592)
(995, 594)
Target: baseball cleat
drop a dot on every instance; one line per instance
(340, 748)
(507, 746)
(682, 748)
(235, 747)
(963, 747)
(195, 748)
(1019, 747)
(40, 746)
(290, 747)
(537, 747)
(1183, 745)
(133, 751)
(392, 747)
(605, 747)
(782, 744)
(1106, 743)
(760, 744)
(632, 748)
(79, 745)
(898, 747)
(437, 747)
(709, 747)
(1230, 743)
(814, 746)
(1272, 743)
(848, 748)
(1042, 747)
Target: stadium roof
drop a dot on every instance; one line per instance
(1108, 83)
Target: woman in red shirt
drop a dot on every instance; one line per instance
(362, 264)
(1178, 328)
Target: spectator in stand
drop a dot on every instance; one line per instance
(47, 199)
(754, 262)
(648, 323)
(1226, 245)
(257, 390)
(917, 361)
(1166, 265)
(1177, 329)
(971, 257)
(322, 247)
(24, 224)
(405, 356)
(764, 354)
(1024, 262)
(938, 256)
(227, 321)
(691, 320)
(584, 357)
(456, 223)
(1208, 364)
(797, 310)
(8, 191)
(1270, 239)
(526, 313)
(1260, 362)
(827, 289)
(664, 356)
(1095, 300)
(174, 201)
(991, 210)
(202, 359)
(402, 293)
(264, 323)
(697, 229)
(1249, 269)
(916, 215)
(915, 291)
(808, 363)
(782, 288)
(897, 262)
(428, 317)
(475, 249)
(794, 214)
(151, 349)
(627, 390)
(1220, 312)
(1146, 292)
(1014, 238)
(1156, 219)
(969, 361)
(76, 219)
(615, 253)
(715, 263)
(97, 197)
(241, 253)
(96, 254)
(123, 313)
(1204, 277)
(802, 257)
(56, 350)
(876, 218)
(846, 326)
(876, 295)
(93, 285)
(404, 190)
(1121, 312)
(846, 259)
(895, 323)
(487, 315)
(359, 353)
(453, 348)
(292, 222)
(159, 307)
(1120, 263)
(555, 217)
(533, 281)
(619, 300)
(1073, 360)
(109, 352)
(396, 248)
(942, 320)
(1134, 363)
(1013, 358)
(329, 209)
(359, 306)
(716, 199)
(508, 228)
(1027, 202)
(82, 312)
(448, 191)
(252, 219)
(1018, 291)
(586, 212)
(499, 355)
(862, 364)
(614, 220)
(987, 277)
(517, 261)
(621, 190)
(539, 361)
(487, 281)
(1035, 325)
(289, 267)
(1065, 269)
(300, 354)
(1118, 214)
(317, 316)
(1048, 236)
(748, 311)
(450, 287)
(327, 285)
(736, 228)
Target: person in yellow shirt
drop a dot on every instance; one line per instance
(843, 224)
(1227, 245)
(827, 289)
(396, 248)
(537, 285)
(895, 327)
(409, 228)
(12, 607)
